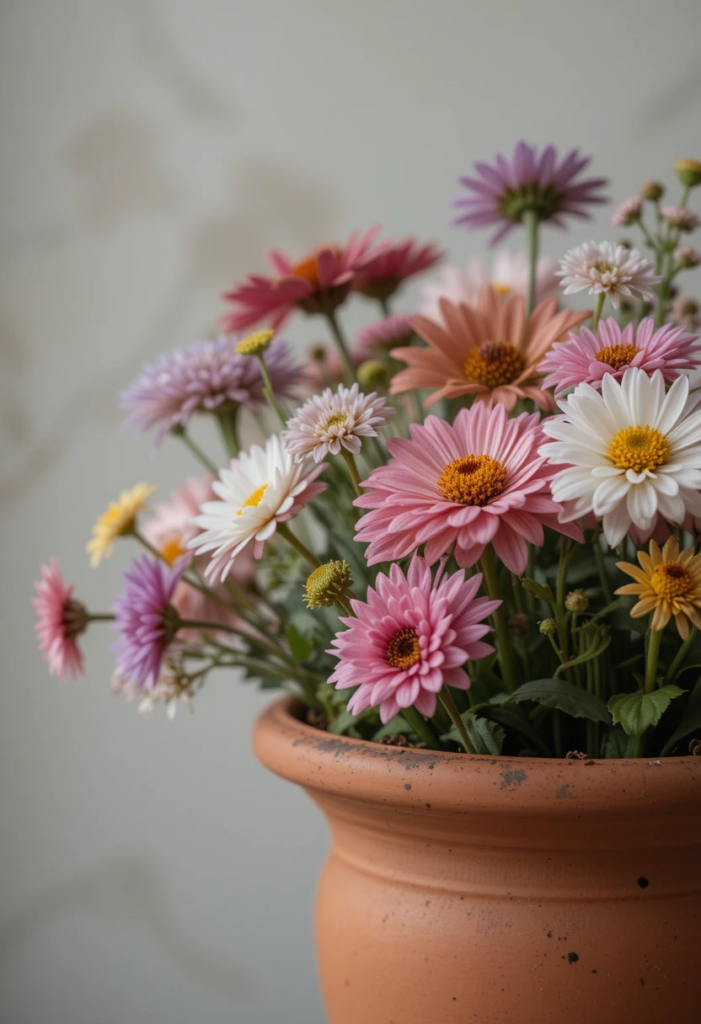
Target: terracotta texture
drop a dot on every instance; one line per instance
(497, 890)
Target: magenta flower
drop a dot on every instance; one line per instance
(397, 262)
(61, 620)
(587, 357)
(146, 619)
(411, 638)
(201, 378)
(318, 283)
(501, 192)
(478, 482)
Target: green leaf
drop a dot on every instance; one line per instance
(516, 718)
(346, 720)
(301, 647)
(597, 646)
(558, 693)
(689, 722)
(543, 592)
(394, 727)
(637, 712)
(617, 744)
(486, 737)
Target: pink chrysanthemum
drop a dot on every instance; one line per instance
(146, 618)
(587, 357)
(490, 350)
(601, 268)
(681, 218)
(331, 422)
(628, 212)
(508, 275)
(411, 638)
(61, 620)
(318, 283)
(385, 333)
(478, 482)
(384, 274)
(501, 192)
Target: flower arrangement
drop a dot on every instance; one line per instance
(471, 528)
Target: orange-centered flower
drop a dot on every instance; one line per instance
(668, 584)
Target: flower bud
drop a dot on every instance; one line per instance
(576, 602)
(327, 584)
(255, 344)
(548, 627)
(687, 257)
(628, 212)
(373, 374)
(652, 191)
(681, 218)
(688, 172)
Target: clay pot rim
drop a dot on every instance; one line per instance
(455, 782)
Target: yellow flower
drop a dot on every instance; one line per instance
(255, 344)
(118, 520)
(668, 584)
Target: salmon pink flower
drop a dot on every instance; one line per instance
(478, 482)
(383, 275)
(61, 620)
(412, 637)
(317, 283)
(490, 350)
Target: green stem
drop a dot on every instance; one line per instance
(673, 669)
(603, 576)
(446, 699)
(530, 222)
(226, 419)
(195, 449)
(384, 306)
(296, 543)
(268, 390)
(600, 299)
(560, 611)
(352, 469)
(651, 657)
(348, 367)
(500, 619)
(669, 247)
(421, 727)
(100, 617)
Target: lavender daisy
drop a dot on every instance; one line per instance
(146, 619)
(503, 191)
(202, 377)
(604, 269)
(332, 422)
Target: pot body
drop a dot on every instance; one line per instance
(502, 891)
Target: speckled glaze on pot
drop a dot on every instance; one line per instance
(497, 890)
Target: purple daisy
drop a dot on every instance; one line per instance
(145, 618)
(202, 377)
(501, 192)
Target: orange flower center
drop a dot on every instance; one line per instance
(336, 420)
(172, 550)
(617, 355)
(472, 480)
(671, 580)
(307, 267)
(403, 649)
(494, 363)
(254, 499)
(641, 449)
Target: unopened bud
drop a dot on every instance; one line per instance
(681, 218)
(548, 627)
(327, 584)
(689, 172)
(652, 191)
(576, 602)
(373, 373)
(687, 257)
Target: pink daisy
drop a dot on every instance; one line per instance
(478, 482)
(587, 357)
(387, 271)
(61, 621)
(318, 283)
(411, 638)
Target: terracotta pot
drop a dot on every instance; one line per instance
(499, 890)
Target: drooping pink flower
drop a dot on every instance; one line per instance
(386, 272)
(588, 356)
(317, 283)
(61, 620)
(478, 482)
(412, 636)
(501, 192)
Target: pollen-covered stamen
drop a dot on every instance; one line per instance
(494, 363)
(641, 449)
(472, 480)
(254, 499)
(327, 584)
(617, 356)
(403, 648)
(672, 580)
(336, 420)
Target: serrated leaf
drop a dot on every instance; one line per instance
(301, 647)
(487, 737)
(558, 693)
(637, 712)
(617, 744)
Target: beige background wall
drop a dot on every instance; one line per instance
(151, 151)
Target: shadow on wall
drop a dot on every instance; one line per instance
(130, 889)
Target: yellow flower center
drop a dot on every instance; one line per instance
(403, 649)
(502, 289)
(671, 580)
(307, 267)
(617, 355)
(336, 420)
(172, 550)
(639, 448)
(494, 364)
(472, 480)
(254, 499)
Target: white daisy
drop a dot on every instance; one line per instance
(329, 422)
(602, 268)
(631, 451)
(261, 488)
